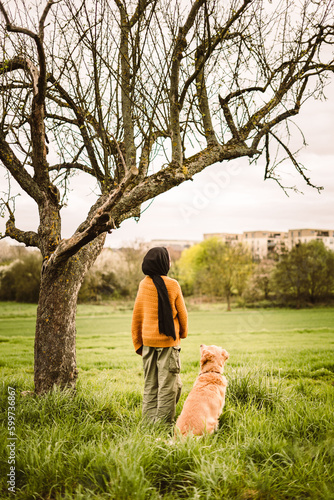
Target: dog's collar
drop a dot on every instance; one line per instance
(211, 371)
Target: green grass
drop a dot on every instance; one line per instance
(276, 433)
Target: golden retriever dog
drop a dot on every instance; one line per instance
(205, 401)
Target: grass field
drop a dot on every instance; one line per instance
(276, 433)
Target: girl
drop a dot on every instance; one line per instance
(159, 321)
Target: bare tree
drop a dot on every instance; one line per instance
(121, 91)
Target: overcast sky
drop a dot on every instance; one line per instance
(226, 197)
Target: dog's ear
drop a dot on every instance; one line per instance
(206, 354)
(225, 355)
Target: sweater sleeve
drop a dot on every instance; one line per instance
(182, 314)
(136, 325)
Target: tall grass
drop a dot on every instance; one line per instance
(275, 438)
(273, 442)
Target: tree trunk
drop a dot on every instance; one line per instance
(55, 351)
(228, 298)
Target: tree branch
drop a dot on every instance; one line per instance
(203, 101)
(140, 10)
(172, 176)
(126, 92)
(229, 118)
(20, 62)
(81, 116)
(297, 166)
(43, 18)
(15, 29)
(175, 108)
(99, 221)
(29, 238)
(14, 166)
(208, 46)
(109, 211)
(266, 128)
(70, 166)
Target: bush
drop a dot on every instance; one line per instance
(115, 274)
(98, 285)
(20, 280)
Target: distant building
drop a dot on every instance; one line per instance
(231, 238)
(265, 243)
(175, 247)
(260, 243)
(306, 235)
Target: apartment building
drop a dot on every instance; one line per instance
(306, 235)
(265, 243)
(262, 244)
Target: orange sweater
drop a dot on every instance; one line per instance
(145, 323)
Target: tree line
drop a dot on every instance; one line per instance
(304, 275)
(211, 270)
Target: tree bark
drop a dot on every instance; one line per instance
(55, 340)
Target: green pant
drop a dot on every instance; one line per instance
(163, 384)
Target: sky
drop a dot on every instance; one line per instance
(226, 197)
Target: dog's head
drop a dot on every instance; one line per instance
(213, 358)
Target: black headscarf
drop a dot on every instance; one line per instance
(156, 264)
